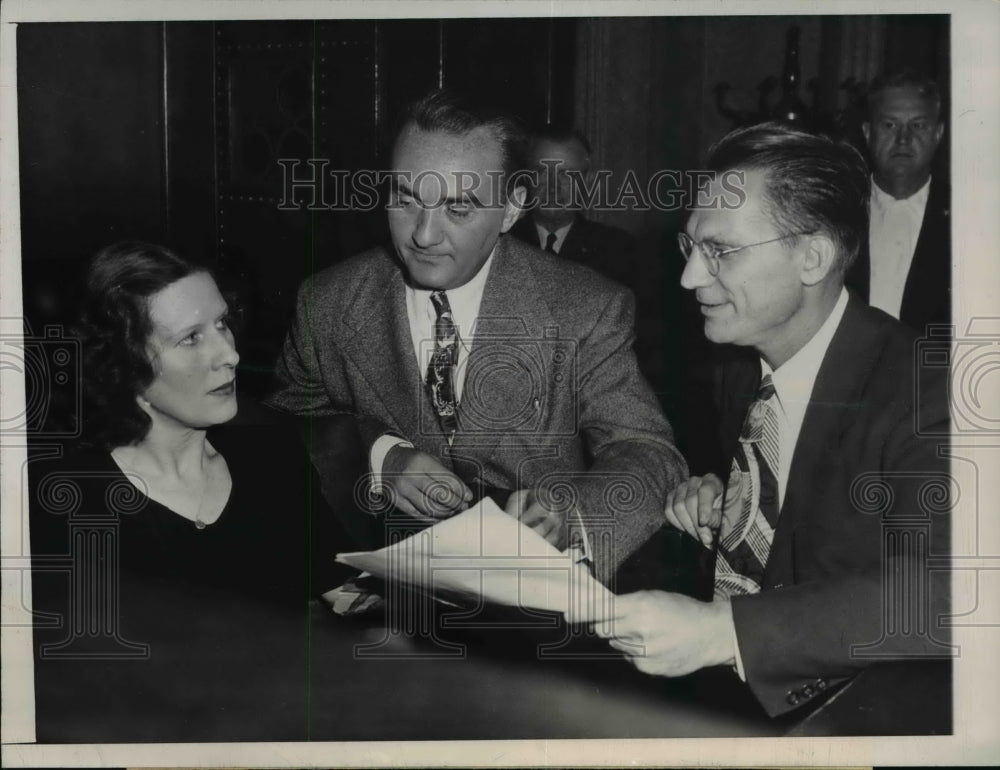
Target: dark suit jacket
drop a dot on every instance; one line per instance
(927, 294)
(552, 397)
(862, 468)
(609, 250)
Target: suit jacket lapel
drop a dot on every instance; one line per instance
(382, 350)
(575, 246)
(833, 406)
(930, 269)
(498, 375)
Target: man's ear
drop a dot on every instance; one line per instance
(818, 260)
(514, 207)
(866, 129)
(938, 134)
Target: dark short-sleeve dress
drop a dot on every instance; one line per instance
(148, 628)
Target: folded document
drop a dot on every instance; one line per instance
(486, 553)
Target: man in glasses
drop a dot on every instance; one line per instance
(828, 443)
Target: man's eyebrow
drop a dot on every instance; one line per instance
(469, 197)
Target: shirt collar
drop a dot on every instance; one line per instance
(560, 234)
(794, 379)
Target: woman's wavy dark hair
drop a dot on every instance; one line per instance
(114, 329)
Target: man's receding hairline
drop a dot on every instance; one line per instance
(768, 205)
(572, 142)
(923, 93)
(413, 126)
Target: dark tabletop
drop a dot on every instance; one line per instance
(227, 668)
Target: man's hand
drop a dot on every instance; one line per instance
(528, 506)
(670, 634)
(421, 486)
(694, 507)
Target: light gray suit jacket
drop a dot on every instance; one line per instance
(552, 395)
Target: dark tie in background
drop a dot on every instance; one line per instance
(750, 509)
(441, 370)
(550, 243)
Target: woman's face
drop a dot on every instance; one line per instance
(192, 353)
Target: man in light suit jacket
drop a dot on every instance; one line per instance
(835, 445)
(471, 359)
(904, 266)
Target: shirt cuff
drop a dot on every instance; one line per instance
(579, 547)
(582, 544)
(376, 458)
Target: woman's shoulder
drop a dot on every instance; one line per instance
(62, 479)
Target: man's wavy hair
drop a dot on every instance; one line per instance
(461, 112)
(114, 329)
(813, 183)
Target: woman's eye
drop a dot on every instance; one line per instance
(191, 339)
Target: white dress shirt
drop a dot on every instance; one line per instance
(464, 301)
(892, 239)
(560, 234)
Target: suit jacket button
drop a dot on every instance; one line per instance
(821, 684)
(808, 691)
(793, 699)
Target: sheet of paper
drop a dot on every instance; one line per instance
(485, 552)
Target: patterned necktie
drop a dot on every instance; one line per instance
(441, 370)
(750, 510)
(550, 243)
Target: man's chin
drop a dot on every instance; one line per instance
(423, 274)
(718, 332)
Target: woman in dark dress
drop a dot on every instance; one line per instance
(175, 559)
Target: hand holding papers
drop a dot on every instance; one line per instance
(483, 552)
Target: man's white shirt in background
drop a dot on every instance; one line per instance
(894, 230)
(560, 234)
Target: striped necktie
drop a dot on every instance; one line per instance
(441, 370)
(750, 508)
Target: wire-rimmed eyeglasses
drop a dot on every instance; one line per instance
(711, 253)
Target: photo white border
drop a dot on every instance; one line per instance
(975, 137)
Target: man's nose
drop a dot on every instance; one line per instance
(904, 134)
(427, 231)
(696, 274)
